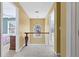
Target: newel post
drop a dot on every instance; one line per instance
(26, 39)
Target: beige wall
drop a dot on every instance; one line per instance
(23, 27)
(33, 22)
(47, 26)
(24, 24)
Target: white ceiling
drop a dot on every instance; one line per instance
(9, 10)
(41, 8)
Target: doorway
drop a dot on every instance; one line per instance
(51, 31)
(9, 31)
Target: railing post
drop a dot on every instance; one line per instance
(26, 39)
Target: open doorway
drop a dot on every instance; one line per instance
(9, 34)
(51, 31)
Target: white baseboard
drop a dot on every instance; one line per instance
(57, 54)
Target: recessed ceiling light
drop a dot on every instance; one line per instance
(36, 11)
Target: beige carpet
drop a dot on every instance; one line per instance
(32, 51)
(36, 51)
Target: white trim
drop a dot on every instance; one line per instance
(68, 29)
(17, 29)
(55, 53)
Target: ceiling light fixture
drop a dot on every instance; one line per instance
(36, 11)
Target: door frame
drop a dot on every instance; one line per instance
(17, 28)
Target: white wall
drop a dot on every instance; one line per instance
(73, 24)
(0, 29)
(70, 42)
(77, 30)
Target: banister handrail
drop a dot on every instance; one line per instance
(36, 33)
